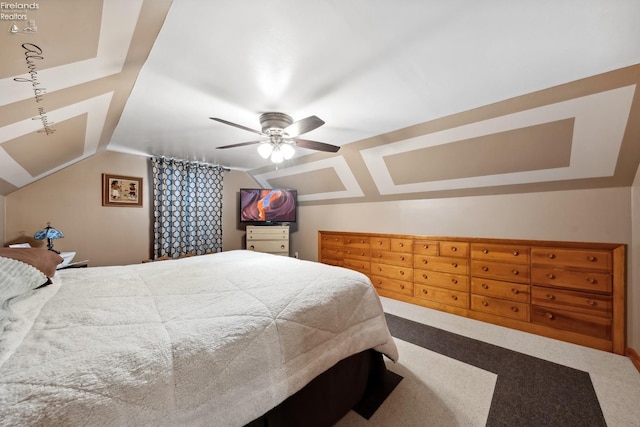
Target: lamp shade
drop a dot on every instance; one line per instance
(50, 234)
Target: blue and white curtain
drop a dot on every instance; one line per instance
(187, 204)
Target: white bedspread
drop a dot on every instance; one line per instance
(213, 340)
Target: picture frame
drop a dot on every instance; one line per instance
(121, 191)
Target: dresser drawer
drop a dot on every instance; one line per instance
(331, 252)
(381, 243)
(278, 234)
(500, 271)
(442, 280)
(268, 246)
(572, 258)
(393, 258)
(583, 280)
(392, 285)
(332, 240)
(441, 295)
(358, 265)
(392, 271)
(454, 249)
(594, 326)
(594, 304)
(500, 307)
(504, 290)
(357, 241)
(356, 253)
(502, 253)
(332, 261)
(444, 264)
(402, 245)
(425, 247)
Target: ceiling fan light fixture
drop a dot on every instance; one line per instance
(276, 155)
(287, 151)
(265, 149)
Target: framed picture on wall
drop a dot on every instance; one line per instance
(120, 190)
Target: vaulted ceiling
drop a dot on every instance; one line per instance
(425, 98)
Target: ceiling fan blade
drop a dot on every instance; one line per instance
(303, 126)
(315, 145)
(236, 125)
(240, 144)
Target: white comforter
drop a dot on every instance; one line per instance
(214, 340)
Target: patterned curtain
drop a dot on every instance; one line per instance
(187, 204)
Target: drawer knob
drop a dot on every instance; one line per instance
(485, 286)
(379, 255)
(454, 265)
(401, 245)
(485, 303)
(362, 254)
(548, 315)
(516, 253)
(401, 286)
(424, 261)
(485, 268)
(424, 291)
(380, 242)
(455, 281)
(592, 280)
(485, 251)
(281, 246)
(591, 302)
(453, 297)
(515, 291)
(401, 273)
(592, 258)
(551, 275)
(514, 309)
(401, 258)
(379, 282)
(379, 269)
(515, 272)
(252, 247)
(453, 249)
(425, 246)
(551, 296)
(551, 255)
(424, 276)
(361, 241)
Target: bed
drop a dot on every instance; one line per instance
(221, 339)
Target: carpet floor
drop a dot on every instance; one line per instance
(461, 372)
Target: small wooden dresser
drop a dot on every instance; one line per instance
(571, 291)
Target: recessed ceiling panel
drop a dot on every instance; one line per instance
(599, 119)
(65, 24)
(38, 152)
(544, 146)
(348, 188)
(311, 182)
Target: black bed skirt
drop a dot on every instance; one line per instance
(329, 396)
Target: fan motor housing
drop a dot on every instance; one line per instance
(275, 121)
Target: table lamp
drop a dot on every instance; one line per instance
(50, 234)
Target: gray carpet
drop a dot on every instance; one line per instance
(529, 391)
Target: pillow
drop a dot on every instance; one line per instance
(16, 279)
(43, 259)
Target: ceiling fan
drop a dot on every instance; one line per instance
(281, 134)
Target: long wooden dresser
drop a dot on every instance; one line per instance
(571, 291)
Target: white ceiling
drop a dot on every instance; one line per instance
(365, 67)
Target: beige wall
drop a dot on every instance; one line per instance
(233, 233)
(71, 199)
(580, 215)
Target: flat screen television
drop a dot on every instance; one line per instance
(268, 205)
